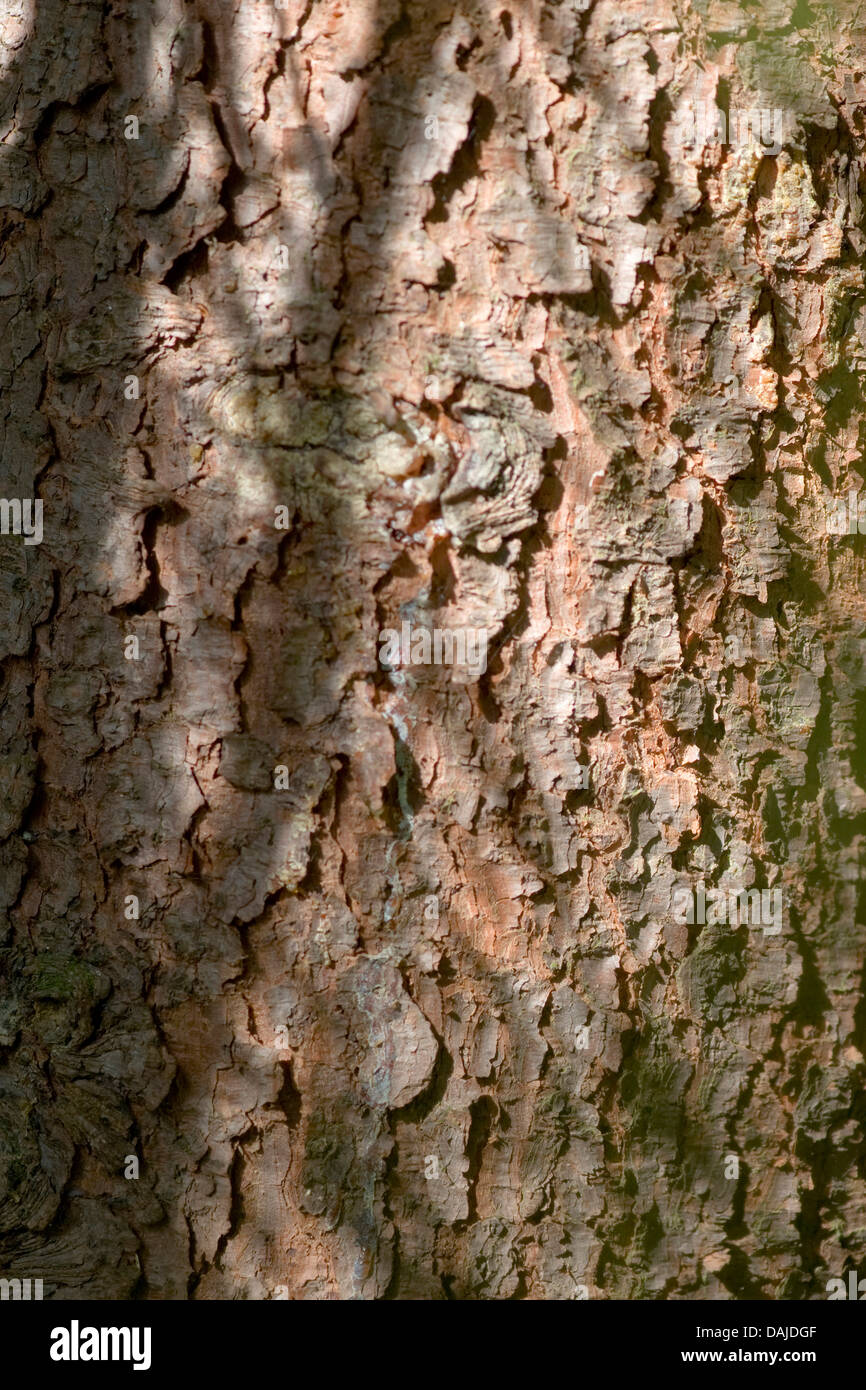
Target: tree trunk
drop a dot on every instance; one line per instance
(433, 794)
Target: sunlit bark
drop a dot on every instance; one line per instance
(449, 611)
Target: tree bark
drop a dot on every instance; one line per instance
(326, 975)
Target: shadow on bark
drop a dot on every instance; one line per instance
(239, 1036)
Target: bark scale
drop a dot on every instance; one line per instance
(542, 321)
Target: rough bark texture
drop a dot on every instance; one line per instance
(456, 288)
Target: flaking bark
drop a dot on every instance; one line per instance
(453, 295)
